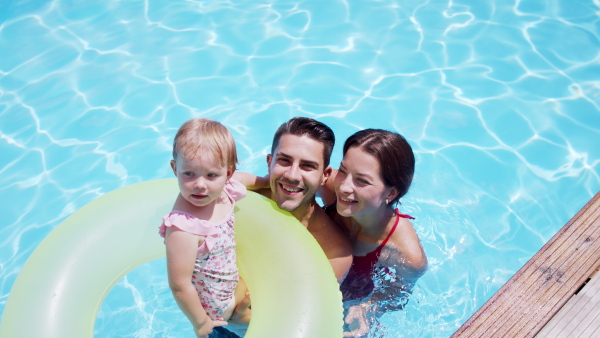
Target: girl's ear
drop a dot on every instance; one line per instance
(230, 171)
(174, 167)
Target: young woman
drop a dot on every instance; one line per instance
(376, 171)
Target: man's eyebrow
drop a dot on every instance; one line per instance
(314, 163)
(280, 154)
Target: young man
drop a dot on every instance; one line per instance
(298, 166)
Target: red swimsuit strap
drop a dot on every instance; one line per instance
(398, 216)
(373, 255)
(378, 250)
(359, 283)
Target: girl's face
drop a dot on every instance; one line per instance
(358, 185)
(201, 179)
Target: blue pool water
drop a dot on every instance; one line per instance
(500, 100)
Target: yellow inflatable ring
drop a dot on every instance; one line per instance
(62, 285)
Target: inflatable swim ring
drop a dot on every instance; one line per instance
(62, 285)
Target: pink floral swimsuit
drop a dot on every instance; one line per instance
(215, 273)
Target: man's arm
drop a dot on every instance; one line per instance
(335, 244)
(250, 181)
(340, 258)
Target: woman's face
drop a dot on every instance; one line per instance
(358, 185)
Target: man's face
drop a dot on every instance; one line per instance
(296, 170)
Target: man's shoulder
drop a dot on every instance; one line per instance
(328, 230)
(334, 242)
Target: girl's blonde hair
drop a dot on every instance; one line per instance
(205, 135)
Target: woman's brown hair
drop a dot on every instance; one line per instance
(394, 154)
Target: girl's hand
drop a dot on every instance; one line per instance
(205, 329)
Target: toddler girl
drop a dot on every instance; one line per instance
(198, 232)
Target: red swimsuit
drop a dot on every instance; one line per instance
(359, 281)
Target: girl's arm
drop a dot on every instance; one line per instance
(252, 182)
(182, 248)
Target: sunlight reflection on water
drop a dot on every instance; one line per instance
(499, 101)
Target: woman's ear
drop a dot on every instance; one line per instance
(392, 194)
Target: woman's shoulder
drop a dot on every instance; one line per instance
(329, 225)
(405, 249)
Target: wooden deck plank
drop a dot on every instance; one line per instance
(577, 318)
(537, 291)
(592, 315)
(593, 330)
(590, 323)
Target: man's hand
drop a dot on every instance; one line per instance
(240, 319)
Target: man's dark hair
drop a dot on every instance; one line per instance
(304, 126)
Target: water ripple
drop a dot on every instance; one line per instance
(499, 99)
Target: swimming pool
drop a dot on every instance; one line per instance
(499, 99)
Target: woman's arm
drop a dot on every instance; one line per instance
(390, 295)
(358, 320)
(401, 263)
(405, 252)
(182, 248)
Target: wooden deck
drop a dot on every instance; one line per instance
(554, 294)
(580, 317)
